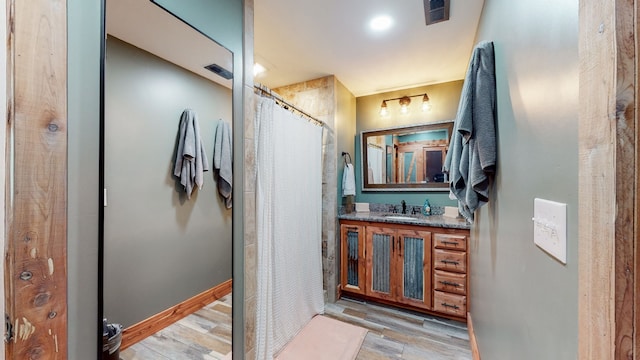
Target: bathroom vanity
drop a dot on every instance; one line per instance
(415, 262)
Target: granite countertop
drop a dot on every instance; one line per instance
(417, 219)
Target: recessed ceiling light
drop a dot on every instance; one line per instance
(258, 69)
(381, 23)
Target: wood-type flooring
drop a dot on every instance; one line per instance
(203, 335)
(393, 334)
(399, 334)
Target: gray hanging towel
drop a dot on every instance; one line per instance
(191, 160)
(471, 159)
(222, 161)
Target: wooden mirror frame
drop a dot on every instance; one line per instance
(421, 186)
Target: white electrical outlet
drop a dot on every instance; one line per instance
(550, 227)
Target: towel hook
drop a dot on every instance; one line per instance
(346, 156)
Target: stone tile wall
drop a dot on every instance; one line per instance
(249, 188)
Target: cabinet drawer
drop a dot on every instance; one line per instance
(450, 303)
(450, 241)
(450, 282)
(450, 260)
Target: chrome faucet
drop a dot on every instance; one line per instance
(404, 207)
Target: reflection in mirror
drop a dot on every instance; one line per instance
(165, 255)
(405, 158)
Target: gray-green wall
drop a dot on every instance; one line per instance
(524, 303)
(84, 42)
(223, 20)
(444, 98)
(159, 247)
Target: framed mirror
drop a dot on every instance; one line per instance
(166, 252)
(408, 158)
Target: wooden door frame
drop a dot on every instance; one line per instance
(36, 185)
(608, 180)
(3, 136)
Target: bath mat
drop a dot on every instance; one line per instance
(324, 338)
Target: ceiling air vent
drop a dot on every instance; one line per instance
(436, 11)
(215, 68)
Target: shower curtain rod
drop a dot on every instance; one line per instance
(265, 91)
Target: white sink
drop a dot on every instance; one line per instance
(400, 217)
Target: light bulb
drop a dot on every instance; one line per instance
(404, 104)
(383, 109)
(258, 69)
(426, 104)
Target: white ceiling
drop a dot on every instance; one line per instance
(298, 40)
(151, 28)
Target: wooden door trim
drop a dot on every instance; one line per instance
(153, 324)
(475, 350)
(608, 178)
(36, 188)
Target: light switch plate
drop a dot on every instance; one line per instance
(550, 227)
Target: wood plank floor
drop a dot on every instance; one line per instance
(398, 334)
(205, 334)
(393, 334)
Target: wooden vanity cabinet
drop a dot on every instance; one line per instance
(450, 279)
(398, 265)
(418, 267)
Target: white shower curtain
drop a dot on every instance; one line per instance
(289, 225)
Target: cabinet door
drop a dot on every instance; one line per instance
(380, 262)
(414, 268)
(352, 258)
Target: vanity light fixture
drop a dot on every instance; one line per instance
(405, 101)
(383, 109)
(404, 104)
(426, 104)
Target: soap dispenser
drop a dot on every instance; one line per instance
(426, 208)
